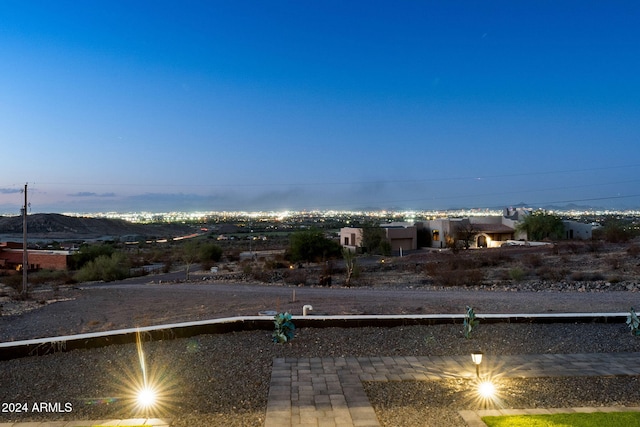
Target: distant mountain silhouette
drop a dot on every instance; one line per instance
(567, 207)
(69, 226)
(573, 206)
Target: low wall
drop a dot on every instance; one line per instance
(41, 346)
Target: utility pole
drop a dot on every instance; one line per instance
(25, 256)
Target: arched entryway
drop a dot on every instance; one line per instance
(482, 241)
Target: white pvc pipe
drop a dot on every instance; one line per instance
(306, 309)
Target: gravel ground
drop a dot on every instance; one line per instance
(223, 380)
(435, 403)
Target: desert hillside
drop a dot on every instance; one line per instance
(61, 226)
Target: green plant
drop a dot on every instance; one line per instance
(284, 328)
(517, 274)
(430, 340)
(470, 322)
(312, 246)
(106, 268)
(541, 225)
(633, 322)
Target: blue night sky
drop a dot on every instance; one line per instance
(273, 105)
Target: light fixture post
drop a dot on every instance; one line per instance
(476, 356)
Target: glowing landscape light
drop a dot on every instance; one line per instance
(146, 396)
(145, 385)
(486, 389)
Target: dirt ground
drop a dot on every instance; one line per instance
(412, 285)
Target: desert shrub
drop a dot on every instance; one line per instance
(454, 271)
(573, 247)
(295, 276)
(579, 276)
(501, 255)
(374, 240)
(312, 246)
(206, 265)
(492, 258)
(449, 278)
(106, 268)
(255, 271)
(551, 274)
(615, 231)
(89, 253)
(263, 275)
(534, 260)
(208, 255)
(233, 256)
(463, 263)
(431, 268)
(276, 264)
(614, 262)
(595, 246)
(14, 281)
(52, 277)
(633, 250)
(209, 252)
(410, 267)
(247, 268)
(542, 225)
(517, 274)
(156, 255)
(586, 276)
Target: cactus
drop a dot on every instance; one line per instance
(633, 322)
(470, 322)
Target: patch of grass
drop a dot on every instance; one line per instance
(576, 419)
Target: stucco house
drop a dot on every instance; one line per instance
(482, 232)
(493, 231)
(402, 236)
(577, 230)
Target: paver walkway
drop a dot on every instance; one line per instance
(328, 392)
